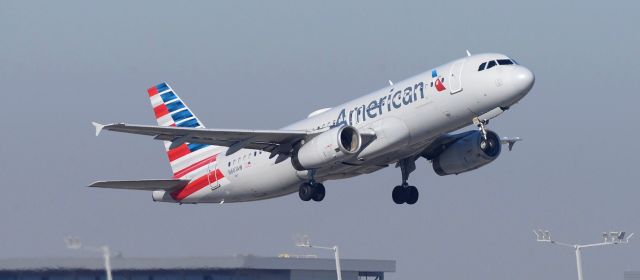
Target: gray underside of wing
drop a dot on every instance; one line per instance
(143, 185)
(440, 143)
(243, 138)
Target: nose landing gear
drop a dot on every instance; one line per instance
(481, 126)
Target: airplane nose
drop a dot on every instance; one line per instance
(522, 80)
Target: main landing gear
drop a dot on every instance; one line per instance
(405, 193)
(311, 190)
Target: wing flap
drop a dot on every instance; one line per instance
(142, 185)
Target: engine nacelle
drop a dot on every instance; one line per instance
(468, 153)
(336, 144)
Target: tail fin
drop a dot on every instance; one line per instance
(188, 160)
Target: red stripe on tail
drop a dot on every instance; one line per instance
(194, 166)
(152, 91)
(197, 184)
(178, 152)
(160, 111)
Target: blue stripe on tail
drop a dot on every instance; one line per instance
(168, 96)
(175, 106)
(194, 146)
(189, 123)
(162, 87)
(181, 115)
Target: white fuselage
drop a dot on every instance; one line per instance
(413, 113)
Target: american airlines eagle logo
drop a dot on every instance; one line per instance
(437, 80)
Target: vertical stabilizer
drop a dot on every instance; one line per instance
(187, 160)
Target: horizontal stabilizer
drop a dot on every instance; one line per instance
(143, 185)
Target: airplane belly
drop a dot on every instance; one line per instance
(253, 179)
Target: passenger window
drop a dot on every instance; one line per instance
(491, 64)
(482, 66)
(504, 62)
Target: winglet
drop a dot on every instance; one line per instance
(510, 141)
(98, 127)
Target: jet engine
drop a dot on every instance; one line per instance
(467, 153)
(336, 144)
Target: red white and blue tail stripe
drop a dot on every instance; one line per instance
(188, 160)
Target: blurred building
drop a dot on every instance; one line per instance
(194, 268)
(632, 275)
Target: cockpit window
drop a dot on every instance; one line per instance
(482, 66)
(492, 63)
(505, 62)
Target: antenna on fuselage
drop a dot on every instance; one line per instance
(468, 53)
(390, 83)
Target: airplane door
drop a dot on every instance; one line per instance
(455, 76)
(213, 174)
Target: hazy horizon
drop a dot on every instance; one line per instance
(263, 65)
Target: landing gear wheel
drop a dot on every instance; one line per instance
(412, 195)
(318, 192)
(305, 192)
(405, 193)
(398, 195)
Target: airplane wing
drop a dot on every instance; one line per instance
(143, 185)
(236, 139)
(440, 143)
(510, 141)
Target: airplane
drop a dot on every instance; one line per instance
(396, 125)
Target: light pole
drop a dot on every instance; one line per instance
(610, 238)
(74, 243)
(304, 242)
